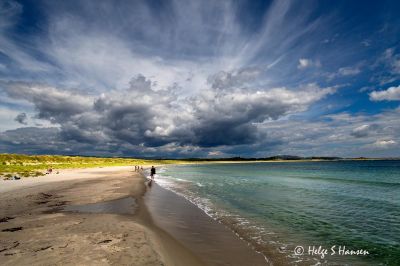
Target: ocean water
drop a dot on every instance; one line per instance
(300, 212)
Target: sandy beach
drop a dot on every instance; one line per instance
(104, 216)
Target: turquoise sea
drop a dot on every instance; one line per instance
(301, 211)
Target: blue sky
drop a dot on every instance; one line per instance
(200, 78)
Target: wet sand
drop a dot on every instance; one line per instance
(213, 242)
(100, 216)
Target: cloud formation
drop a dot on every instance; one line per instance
(364, 130)
(279, 136)
(384, 144)
(306, 63)
(204, 78)
(391, 94)
(142, 116)
(21, 118)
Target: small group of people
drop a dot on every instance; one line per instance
(152, 170)
(50, 171)
(138, 168)
(152, 173)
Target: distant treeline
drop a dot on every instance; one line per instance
(281, 158)
(272, 158)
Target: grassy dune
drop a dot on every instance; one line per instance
(36, 165)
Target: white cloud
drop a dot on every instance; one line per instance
(215, 153)
(306, 63)
(346, 71)
(391, 94)
(349, 71)
(387, 67)
(392, 60)
(361, 131)
(234, 79)
(384, 143)
(364, 130)
(311, 137)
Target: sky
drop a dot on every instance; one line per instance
(178, 79)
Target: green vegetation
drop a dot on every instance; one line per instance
(36, 165)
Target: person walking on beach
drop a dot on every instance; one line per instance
(152, 172)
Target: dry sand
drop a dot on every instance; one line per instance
(35, 231)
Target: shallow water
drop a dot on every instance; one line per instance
(284, 205)
(125, 205)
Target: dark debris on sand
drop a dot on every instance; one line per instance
(13, 229)
(105, 241)
(43, 248)
(6, 219)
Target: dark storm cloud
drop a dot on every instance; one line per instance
(142, 117)
(52, 104)
(21, 118)
(216, 133)
(231, 117)
(324, 137)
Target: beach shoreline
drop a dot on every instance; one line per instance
(36, 230)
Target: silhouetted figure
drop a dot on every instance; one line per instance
(152, 172)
